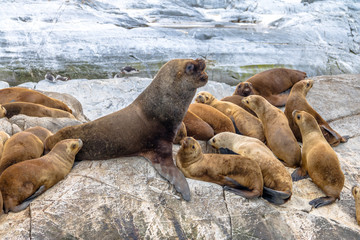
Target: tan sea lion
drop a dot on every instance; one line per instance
(271, 84)
(237, 99)
(196, 127)
(275, 175)
(279, 136)
(2, 111)
(216, 119)
(181, 134)
(356, 193)
(3, 138)
(246, 123)
(40, 132)
(239, 174)
(297, 101)
(318, 160)
(22, 182)
(147, 127)
(34, 110)
(18, 94)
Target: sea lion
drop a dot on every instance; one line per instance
(237, 99)
(318, 160)
(297, 101)
(356, 193)
(246, 123)
(271, 84)
(279, 136)
(20, 147)
(2, 111)
(40, 132)
(275, 175)
(147, 127)
(3, 138)
(196, 127)
(34, 110)
(216, 119)
(19, 182)
(18, 94)
(181, 134)
(239, 174)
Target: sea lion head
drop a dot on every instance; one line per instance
(305, 121)
(303, 86)
(69, 147)
(189, 151)
(244, 89)
(253, 101)
(220, 140)
(204, 97)
(2, 111)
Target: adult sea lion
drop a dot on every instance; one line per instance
(279, 136)
(319, 160)
(196, 127)
(275, 175)
(271, 84)
(356, 193)
(22, 182)
(246, 123)
(239, 174)
(18, 94)
(147, 126)
(297, 101)
(216, 119)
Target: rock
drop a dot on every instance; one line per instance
(125, 198)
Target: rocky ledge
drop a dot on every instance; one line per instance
(125, 198)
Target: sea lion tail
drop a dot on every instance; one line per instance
(27, 201)
(275, 197)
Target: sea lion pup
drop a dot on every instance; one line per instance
(271, 84)
(19, 182)
(196, 127)
(3, 138)
(147, 127)
(34, 110)
(279, 136)
(18, 94)
(239, 174)
(275, 175)
(246, 123)
(41, 132)
(216, 119)
(356, 193)
(318, 160)
(20, 147)
(237, 99)
(180, 134)
(297, 101)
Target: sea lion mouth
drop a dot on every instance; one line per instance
(203, 77)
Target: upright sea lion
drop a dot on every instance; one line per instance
(18, 94)
(216, 119)
(196, 127)
(356, 193)
(34, 110)
(271, 84)
(3, 138)
(237, 99)
(297, 101)
(279, 136)
(181, 134)
(147, 127)
(274, 173)
(246, 123)
(40, 132)
(318, 160)
(239, 174)
(19, 182)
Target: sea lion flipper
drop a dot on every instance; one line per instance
(237, 131)
(322, 201)
(298, 174)
(243, 193)
(344, 138)
(27, 201)
(275, 197)
(227, 151)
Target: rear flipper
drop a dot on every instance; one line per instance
(322, 201)
(344, 138)
(299, 174)
(275, 197)
(241, 190)
(27, 201)
(227, 151)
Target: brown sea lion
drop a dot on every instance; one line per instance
(216, 119)
(237, 99)
(196, 127)
(239, 174)
(181, 134)
(3, 138)
(22, 182)
(20, 147)
(318, 160)
(297, 101)
(279, 136)
(147, 127)
(271, 84)
(34, 110)
(356, 193)
(40, 132)
(18, 94)
(275, 175)
(246, 123)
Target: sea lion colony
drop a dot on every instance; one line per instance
(167, 117)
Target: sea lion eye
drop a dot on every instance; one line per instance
(214, 140)
(189, 68)
(247, 101)
(298, 117)
(193, 146)
(73, 146)
(308, 84)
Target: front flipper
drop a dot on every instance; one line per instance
(27, 201)
(299, 174)
(241, 190)
(275, 197)
(322, 201)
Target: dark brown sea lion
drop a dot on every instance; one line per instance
(319, 160)
(279, 136)
(18, 94)
(196, 127)
(271, 84)
(147, 127)
(22, 182)
(297, 101)
(356, 193)
(240, 174)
